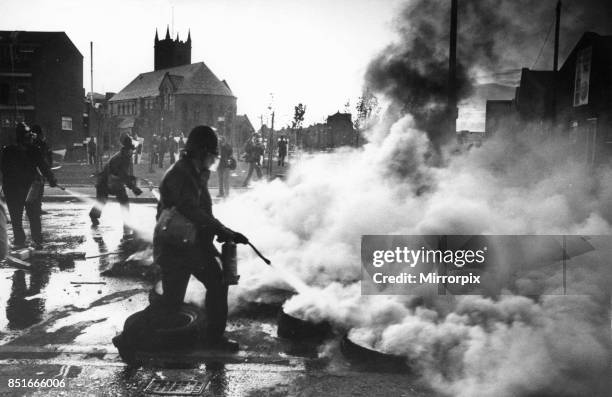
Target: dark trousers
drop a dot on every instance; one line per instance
(160, 158)
(152, 160)
(102, 194)
(174, 283)
(281, 159)
(92, 158)
(16, 202)
(252, 166)
(224, 186)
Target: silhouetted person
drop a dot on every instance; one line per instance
(223, 170)
(282, 150)
(172, 149)
(153, 152)
(184, 187)
(163, 147)
(138, 150)
(254, 150)
(91, 151)
(22, 164)
(116, 175)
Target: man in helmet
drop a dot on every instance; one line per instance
(116, 175)
(22, 164)
(184, 186)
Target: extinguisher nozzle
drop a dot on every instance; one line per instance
(263, 258)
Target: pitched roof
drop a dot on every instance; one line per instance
(35, 37)
(195, 78)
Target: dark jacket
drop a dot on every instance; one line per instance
(44, 150)
(183, 188)
(91, 146)
(225, 152)
(21, 164)
(172, 145)
(119, 166)
(253, 151)
(282, 147)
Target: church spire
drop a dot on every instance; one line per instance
(167, 32)
(156, 36)
(189, 36)
(177, 37)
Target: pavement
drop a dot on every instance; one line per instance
(80, 179)
(147, 196)
(59, 314)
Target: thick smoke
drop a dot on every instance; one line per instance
(493, 37)
(311, 226)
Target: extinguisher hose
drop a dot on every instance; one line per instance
(259, 254)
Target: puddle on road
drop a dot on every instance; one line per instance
(28, 297)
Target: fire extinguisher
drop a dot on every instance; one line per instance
(229, 262)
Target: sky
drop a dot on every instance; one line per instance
(271, 52)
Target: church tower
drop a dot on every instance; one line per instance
(170, 53)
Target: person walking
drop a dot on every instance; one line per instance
(153, 152)
(138, 150)
(253, 150)
(91, 150)
(282, 150)
(172, 149)
(224, 167)
(21, 165)
(163, 147)
(116, 175)
(184, 187)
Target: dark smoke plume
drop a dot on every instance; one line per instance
(493, 36)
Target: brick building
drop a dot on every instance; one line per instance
(573, 104)
(340, 130)
(173, 99)
(41, 82)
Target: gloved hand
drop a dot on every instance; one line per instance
(240, 238)
(53, 182)
(225, 235)
(137, 191)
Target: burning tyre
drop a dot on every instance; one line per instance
(294, 328)
(371, 359)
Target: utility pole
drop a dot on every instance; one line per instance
(92, 110)
(452, 71)
(557, 28)
(556, 63)
(270, 145)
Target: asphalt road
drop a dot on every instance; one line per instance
(58, 316)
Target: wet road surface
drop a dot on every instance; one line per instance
(57, 319)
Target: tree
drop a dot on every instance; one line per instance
(367, 109)
(298, 119)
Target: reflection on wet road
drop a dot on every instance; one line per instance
(56, 285)
(58, 316)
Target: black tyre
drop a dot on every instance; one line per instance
(181, 329)
(290, 327)
(371, 359)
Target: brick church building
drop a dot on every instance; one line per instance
(174, 97)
